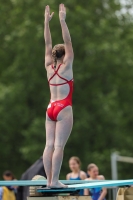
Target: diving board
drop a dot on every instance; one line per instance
(42, 182)
(76, 187)
(78, 184)
(105, 183)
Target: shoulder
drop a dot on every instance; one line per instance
(101, 177)
(68, 176)
(82, 172)
(83, 175)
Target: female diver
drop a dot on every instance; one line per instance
(59, 115)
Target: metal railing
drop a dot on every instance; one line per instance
(115, 157)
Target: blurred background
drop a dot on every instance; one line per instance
(102, 36)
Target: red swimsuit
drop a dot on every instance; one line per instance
(56, 106)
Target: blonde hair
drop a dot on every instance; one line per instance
(90, 166)
(76, 159)
(57, 52)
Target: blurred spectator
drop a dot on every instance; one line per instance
(8, 192)
(8, 176)
(76, 174)
(96, 193)
(36, 169)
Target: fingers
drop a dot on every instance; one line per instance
(47, 13)
(62, 7)
(52, 15)
(47, 9)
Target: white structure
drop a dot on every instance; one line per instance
(115, 157)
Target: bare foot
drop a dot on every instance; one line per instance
(58, 185)
(48, 185)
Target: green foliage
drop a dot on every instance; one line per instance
(103, 90)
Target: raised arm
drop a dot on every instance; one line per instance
(69, 55)
(47, 37)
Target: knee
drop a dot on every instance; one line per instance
(59, 147)
(49, 147)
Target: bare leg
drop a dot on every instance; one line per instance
(63, 130)
(49, 148)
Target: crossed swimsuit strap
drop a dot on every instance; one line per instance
(56, 73)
